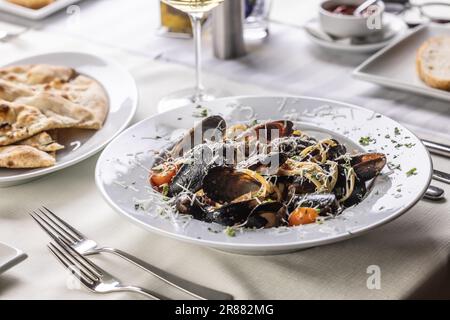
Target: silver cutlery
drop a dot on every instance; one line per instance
(441, 176)
(57, 229)
(437, 148)
(92, 276)
(434, 193)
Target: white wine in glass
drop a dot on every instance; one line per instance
(197, 10)
(194, 6)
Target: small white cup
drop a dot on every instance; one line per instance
(344, 26)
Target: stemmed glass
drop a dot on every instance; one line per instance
(196, 10)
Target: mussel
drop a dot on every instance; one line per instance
(232, 214)
(190, 175)
(266, 132)
(265, 164)
(224, 184)
(267, 215)
(368, 165)
(291, 146)
(192, 206)
(326, 202)
(211, 128)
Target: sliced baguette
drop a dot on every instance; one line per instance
(433, 62)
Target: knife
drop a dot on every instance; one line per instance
(441, 176)
(437, 148)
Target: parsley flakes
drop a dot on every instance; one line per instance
(365, 141)
(411, 172)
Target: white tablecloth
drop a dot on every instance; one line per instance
(411, 252)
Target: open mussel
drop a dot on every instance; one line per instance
(225, 184)
(232, 214)
(190, 175)
(268, 131)
(210, 128)
(267, 215)
(326, 202)
(265, 164)
(368, 165)
(291, 146)
(191, 205)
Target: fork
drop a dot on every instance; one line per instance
(92, 276)
(57, 229)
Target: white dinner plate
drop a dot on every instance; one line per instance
(9, 257)
(395, 25)
(81, 144)
(122, 171)
(395, 66)
(37, 14)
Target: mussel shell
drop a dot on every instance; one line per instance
(367, 166)
(263, 132)
(326, 202)
(265, 164)
(267, 215)
(190, 175)
(224, 184)
(291, 146)
(186, 205)
(337, 151)
(358, 194)
(196, 135)
(233, 213)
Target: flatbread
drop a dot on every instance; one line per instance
(19, 122)
(24, 157)
(10, 91)
(32, 4)
(58, 81)
(54, 106)
(42, 141)
(36, 100)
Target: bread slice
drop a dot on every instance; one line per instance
(433, 62)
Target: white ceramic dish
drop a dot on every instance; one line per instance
(33, 14)
(394, 24)
(81, 144)
(9, 257)
(122, 177)
(395, 66)
(341, 25)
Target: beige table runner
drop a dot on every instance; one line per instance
(411, 253)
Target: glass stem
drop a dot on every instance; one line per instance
(196, 21)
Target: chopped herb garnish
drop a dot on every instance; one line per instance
(378, 116)
(380, 208)
(179, 118)
(204, 113)
(365, 141)
(387, 136)
(253, 123)
(229, 231)
(397, 131)
(165, 189)
(411, 172)
(409, 145)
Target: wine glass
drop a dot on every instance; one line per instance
(196, 10)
